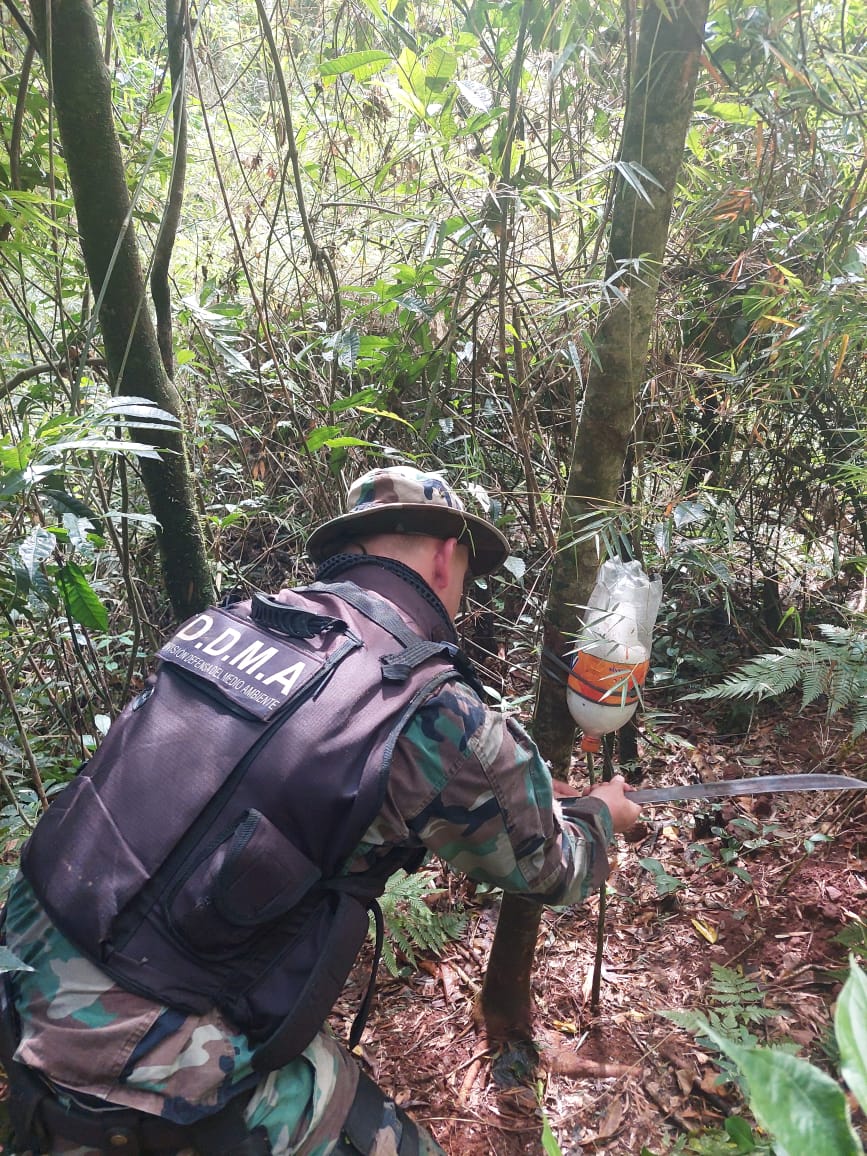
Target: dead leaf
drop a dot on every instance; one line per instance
(569, 1027)
(706, 930)
(684, 1080)
(449, 982)
(612, 1120)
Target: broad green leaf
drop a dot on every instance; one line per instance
(360, 64)
(362, 397)
(13, 483)
(15, 456)
(439, 68)
(343, 441)
(742, 1134)
(10, 962)
(850, 1025)
(319, 437)
(411, 75)
(803, 1109)
(728, 110)
(664, 883)
(80, 598)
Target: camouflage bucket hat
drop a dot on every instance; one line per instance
(404, 500)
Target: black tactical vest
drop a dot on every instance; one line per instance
(197, 858)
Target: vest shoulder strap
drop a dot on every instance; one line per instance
(416, 650)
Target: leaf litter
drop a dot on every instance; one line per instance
(763, 886)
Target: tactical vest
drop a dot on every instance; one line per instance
(198, 857)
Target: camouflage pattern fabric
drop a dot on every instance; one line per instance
(400, 484)
(466, 783)
(403, 499)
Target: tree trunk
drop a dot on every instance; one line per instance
(70, 48)
(654, 133)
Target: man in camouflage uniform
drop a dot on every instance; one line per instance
(466, 783)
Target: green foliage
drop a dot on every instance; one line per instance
(738, 837)
(853, 938)
(736, 1004)
(549, 1141)
(664, 883)
(833, 667)
(411, 923)
(803, 1109)
(850, 1028)
(735, 1138)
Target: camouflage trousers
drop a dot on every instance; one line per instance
(318, 1089)
(86, 1033)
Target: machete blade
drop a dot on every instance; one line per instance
(761, 785)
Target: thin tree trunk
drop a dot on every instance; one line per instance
(70, 47)
(655, 127)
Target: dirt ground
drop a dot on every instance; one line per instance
(628, 1079)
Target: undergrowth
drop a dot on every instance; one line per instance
(411, 924)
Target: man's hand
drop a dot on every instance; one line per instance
(614, 795)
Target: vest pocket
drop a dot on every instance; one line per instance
(242, 881)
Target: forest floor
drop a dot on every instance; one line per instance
(761, 885)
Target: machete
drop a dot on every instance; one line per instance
(763, 785)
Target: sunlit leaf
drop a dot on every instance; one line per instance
(476, 94)
(729, 111)
(318, 438)
(361, 64)
(109, 446)
(439, 68)
(850, 1025)
(138, 407)
(803, 1109)
(343, 441)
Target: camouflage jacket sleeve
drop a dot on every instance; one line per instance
(471, 786)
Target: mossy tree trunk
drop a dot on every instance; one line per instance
(70, 48)
(657, 119)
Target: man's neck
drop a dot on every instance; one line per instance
(397, 582)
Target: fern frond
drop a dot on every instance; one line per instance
(833, 666)
(410, 924)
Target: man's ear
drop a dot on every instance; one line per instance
(442, 560)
